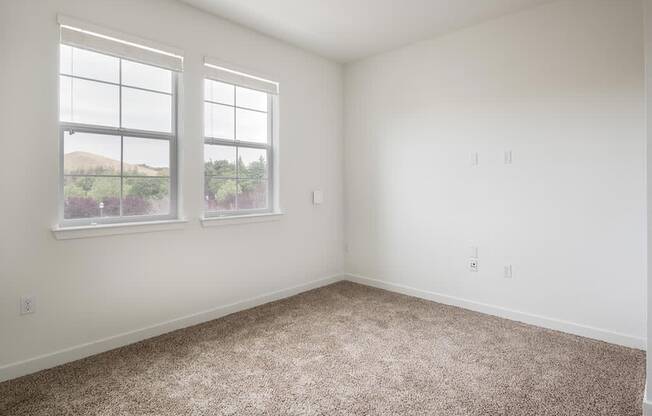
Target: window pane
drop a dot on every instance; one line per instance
(251, 126)
(253, 99)
(219, 161)
(218, 92)
(146, 76)
(218, 121)
(219, 194)
(91, 196)
(95, 65)
(146, 157)
(94, 103)
(65, 98)
(91, 154)
(65, 59)
(252, 163)
(252, 194)
(145, 110)
(146, 196)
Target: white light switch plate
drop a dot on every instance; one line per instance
(318, 197)
(474, 159)
(508, 271)
(508, 157)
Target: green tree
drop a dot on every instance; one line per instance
(105, 188)
(150, 188)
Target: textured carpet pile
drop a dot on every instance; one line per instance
(344, 349)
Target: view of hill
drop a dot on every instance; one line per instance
(90, 163)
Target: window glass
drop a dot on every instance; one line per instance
(253, 162)
(146, 157)
(219, 194)
(219, 161)
(146, 76)
(91, 197)
(90, 102)
(145, 110)
(88, 64)
(65, 99)
(253, 99)
(218, 92)
(110, 172)
(237, 172)
(91, 154)
(252, 194)
(251, 126)
(218, 121)
(146, 196)
(65, 59)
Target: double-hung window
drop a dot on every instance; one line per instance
(118, 130)
(238, 143)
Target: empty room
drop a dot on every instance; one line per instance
(325, 207)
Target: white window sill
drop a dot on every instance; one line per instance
(99, 230)
(240, 219)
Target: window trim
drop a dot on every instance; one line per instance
(241, 219)
(85, 35)
(272, 103)
(102, 230)
(219, 70)
(171, 137)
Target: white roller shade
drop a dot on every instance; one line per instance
(218, 73)
(87, 36)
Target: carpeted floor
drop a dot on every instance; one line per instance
(344, 349)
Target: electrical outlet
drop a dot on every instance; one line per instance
(27, 305)
(473, 265)
(508, 271)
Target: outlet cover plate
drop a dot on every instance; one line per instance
(27, 305)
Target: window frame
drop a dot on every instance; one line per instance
(122, 132)
(269, 146)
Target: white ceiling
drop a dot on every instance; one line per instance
(346, 30)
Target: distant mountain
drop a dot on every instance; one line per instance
(90, 163)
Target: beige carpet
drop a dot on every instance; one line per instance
(344, 349)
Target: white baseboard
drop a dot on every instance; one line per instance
(42, 362)
(647, 405)
(542, 321)
(45, 361)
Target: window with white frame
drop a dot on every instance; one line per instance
(238, 143)
(118, 132)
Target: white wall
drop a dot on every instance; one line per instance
(90, 289)
(561, 86)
